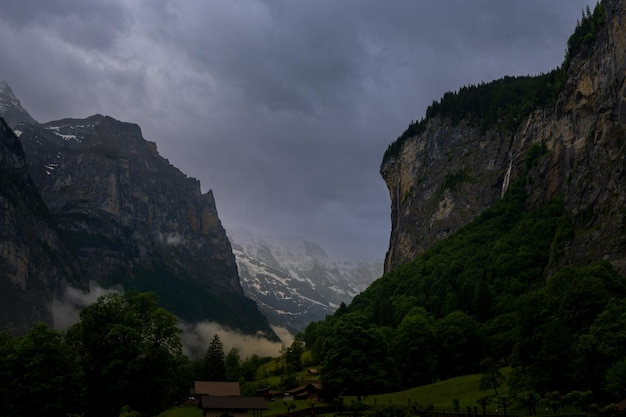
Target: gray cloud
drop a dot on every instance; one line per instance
(283, 107)
(66, 308)
(94, 25)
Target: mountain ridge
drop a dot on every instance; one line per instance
(133, 219)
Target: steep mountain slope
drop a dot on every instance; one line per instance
(10, 107)
(134, 220)
(35, 263)
(447, 170)
(509, 238)
(293, 281)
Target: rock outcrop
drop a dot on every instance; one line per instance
(35, 263)
(443, 177)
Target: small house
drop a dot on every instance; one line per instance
(232, 406)
(310, 391)
(218, 399)
(216, 389)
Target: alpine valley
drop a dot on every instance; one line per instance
(89, 202)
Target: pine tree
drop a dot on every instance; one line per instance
(214, 361)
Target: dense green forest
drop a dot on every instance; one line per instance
(488, 294)
(506, 102)
(124, 357)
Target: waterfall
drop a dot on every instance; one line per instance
(507, 179)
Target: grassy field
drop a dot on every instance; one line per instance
(440, 394)
(182, 412)
(273, 408)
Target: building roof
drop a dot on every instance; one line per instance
(233, 403)
(217, 388)
(315, 386)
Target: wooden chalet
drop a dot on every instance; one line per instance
(269, 394)
(232, 406)
(215, 389)
(310, 391)
(218, 399)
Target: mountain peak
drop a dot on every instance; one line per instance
(293, 280)
(11, 108)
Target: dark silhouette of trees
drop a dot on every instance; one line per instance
(490, 375)
(40, 365)
(131, 354)
(293, 355)
(232, 363)
(357, 359)
(413, 348)
(214, 366)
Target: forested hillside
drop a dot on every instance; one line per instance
(485, 293)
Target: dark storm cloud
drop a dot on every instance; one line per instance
(93, 24)
(283, 107)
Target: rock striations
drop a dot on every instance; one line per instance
(132, 219)
(443, 177)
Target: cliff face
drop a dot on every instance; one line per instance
(108, 186)
(135, 220)
(35, 263)
(91, 201)
(445, 176)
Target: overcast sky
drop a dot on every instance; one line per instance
(283, 108)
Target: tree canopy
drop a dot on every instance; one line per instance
(357, 359)
(131, 354)
(215, 361)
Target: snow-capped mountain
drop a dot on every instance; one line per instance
(293, 281)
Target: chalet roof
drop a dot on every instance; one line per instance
(264, 391)
(217, 388)
(301, 388)
(233, 403)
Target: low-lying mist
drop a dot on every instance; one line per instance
(195, 337)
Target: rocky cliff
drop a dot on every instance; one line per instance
(134, 220)
(35, 263)
(443, 176)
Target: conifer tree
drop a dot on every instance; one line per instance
(214, 361)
